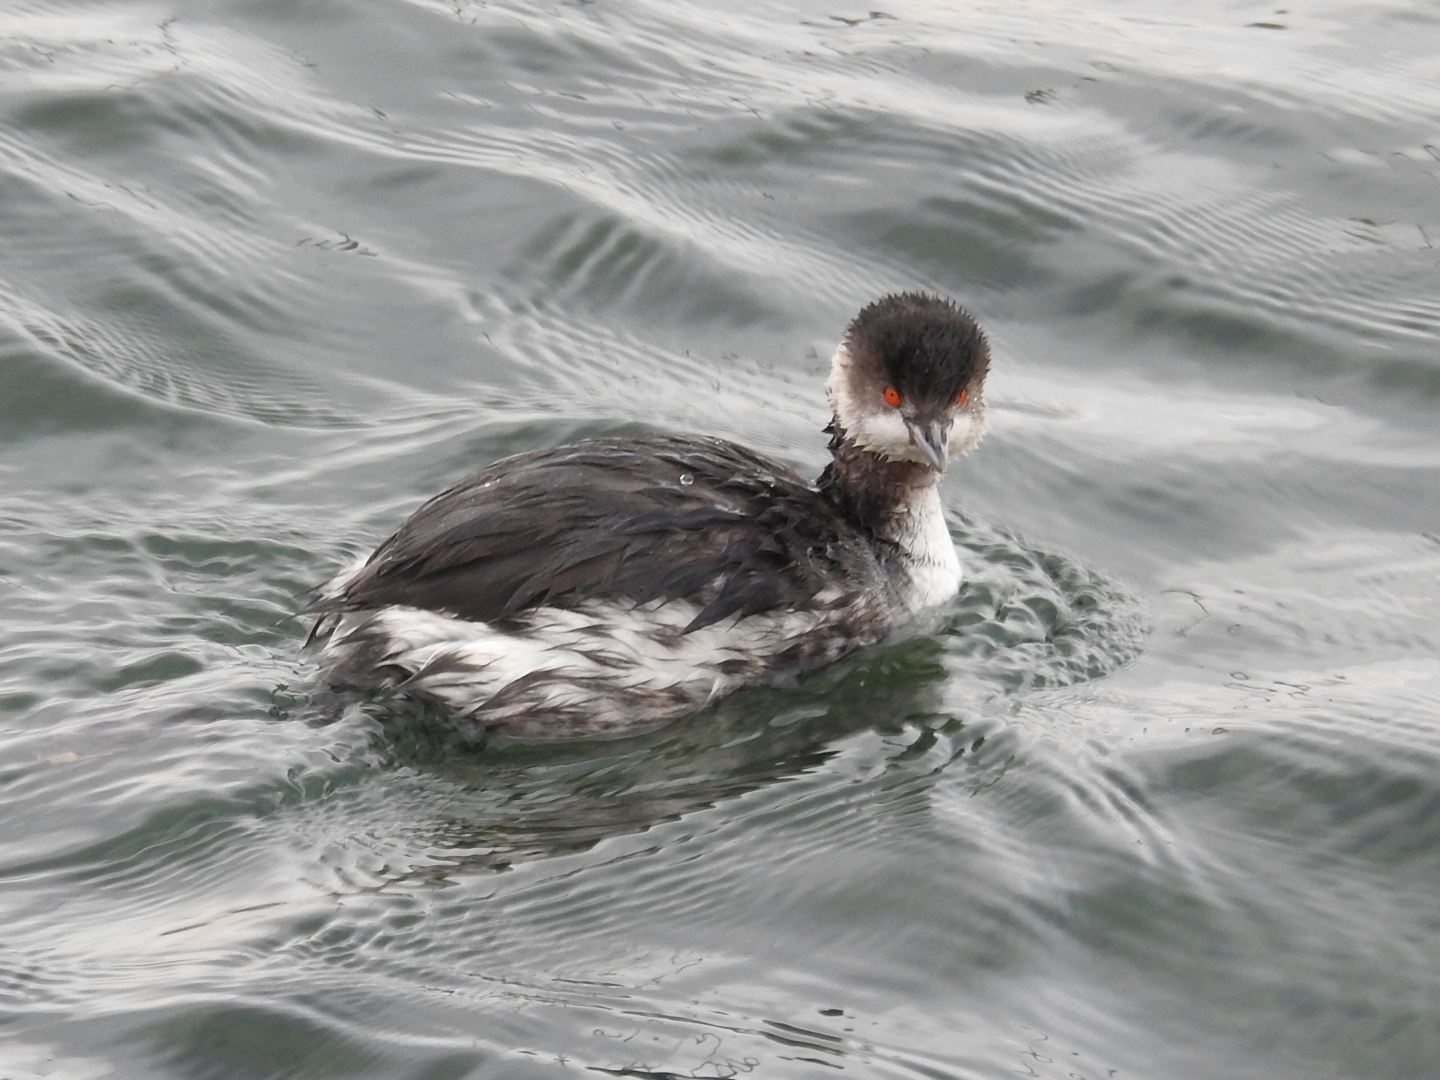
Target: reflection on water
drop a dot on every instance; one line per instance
(1160, 800)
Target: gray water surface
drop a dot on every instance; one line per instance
(1163, 802)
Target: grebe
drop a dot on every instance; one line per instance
(615, 583)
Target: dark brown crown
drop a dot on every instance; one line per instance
(928, 348)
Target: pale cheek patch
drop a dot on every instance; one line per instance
(871, 426)
(837, 386)
(966, 432)
(884, 434)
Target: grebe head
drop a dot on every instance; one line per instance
(907, 381)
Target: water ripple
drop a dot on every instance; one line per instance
(1159, 802)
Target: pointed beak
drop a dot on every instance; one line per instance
(932, 439)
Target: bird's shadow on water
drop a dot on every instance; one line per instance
(509, 800)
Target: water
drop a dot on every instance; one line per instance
(1164, 802)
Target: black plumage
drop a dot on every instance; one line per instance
(629, 520)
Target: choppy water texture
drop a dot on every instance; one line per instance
(1164, 801)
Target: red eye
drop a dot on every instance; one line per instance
(963, 395)
(892, 396)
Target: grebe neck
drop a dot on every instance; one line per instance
(878, 495)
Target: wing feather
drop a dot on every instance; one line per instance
(637, 520)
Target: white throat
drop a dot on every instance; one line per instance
(932, 573)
